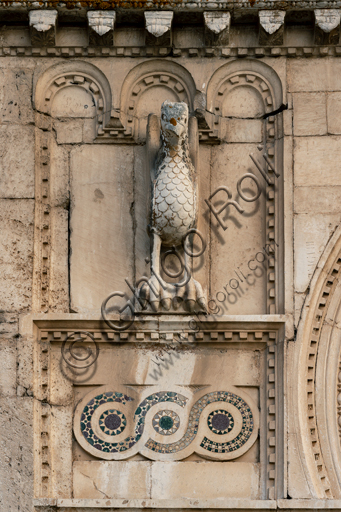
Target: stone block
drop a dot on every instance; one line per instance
(230, 162)
(16, 94)
(25, 375)
(16, 161)
(8, 367)
(59, 275)
(314, 161)
(310, 114)
(271, 27)
(8, 325)
(324, 75)
(101, 27)
(101, 223)
(317, 199)
(334, 113)
(69, 131)
(217, 28)
(327, 26)
(204, 480)
(158, 28)
(242, 130)
(311, 234)
(43, 27)
(114, 479)
(16, 249)
(59, 175)
(16, 463)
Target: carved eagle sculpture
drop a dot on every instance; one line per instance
(173, 210)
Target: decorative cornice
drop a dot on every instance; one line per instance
(187, 5)
(158, 23)
(101, 21)
(271, 21)
(147, 51)
(42, 21)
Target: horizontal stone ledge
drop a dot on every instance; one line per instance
(160, 52)
(223, 504)
(187, 5)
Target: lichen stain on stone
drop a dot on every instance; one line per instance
(173, 122)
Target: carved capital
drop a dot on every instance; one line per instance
(217, 28)
(43, 27)
(101, 27)
(158, 28)
(271, 27)
(327, 26)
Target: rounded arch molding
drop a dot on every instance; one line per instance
(244, 73)
(153, 74)
(316, 393)
(265, 86)
(75, 73)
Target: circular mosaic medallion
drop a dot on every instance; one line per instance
(112, 422)
(166, 422)
(220, 422)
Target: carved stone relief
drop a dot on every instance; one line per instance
(327, 26)
(198, 411)
(43, 27)
(217, 28)
(271, 27)
(218, 420)
(101, 28)
(158, 28)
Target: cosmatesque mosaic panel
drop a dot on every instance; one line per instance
(118, 410)
(231, 417)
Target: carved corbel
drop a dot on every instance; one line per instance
(43, 27)
(158, 28)
(217, 28)
(327, 26)
(101, 28)
(271, 27)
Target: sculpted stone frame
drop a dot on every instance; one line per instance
(317, 359)
(54, 399)
(51, 285)
(265, 81)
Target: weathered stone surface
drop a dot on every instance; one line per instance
(325, 75)
(311, 235)
(243, 130)
(327, 26)
(310, 114)
(17, 161)
(158, 27)
(334, 113)
(112, 479)
(314, 161)
(196, 480)
(229, 163)
(101, 198)
(101, 27)
(92, 235)
(43, 27)
(8, 324)
(69, 131)
(271, 27)
(217, 28)
(8, 370)
(16, 466)
(16, 221)
(16, 93)
(317, 199)
(164, 480)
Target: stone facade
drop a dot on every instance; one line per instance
(170, 256)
